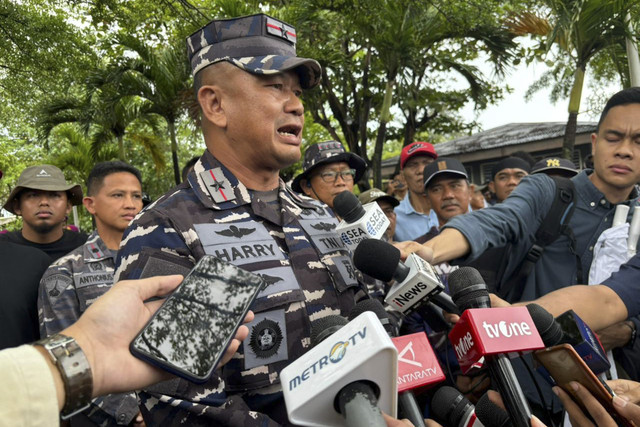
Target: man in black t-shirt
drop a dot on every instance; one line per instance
(43, 199)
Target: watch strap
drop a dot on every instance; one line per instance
(74, 369)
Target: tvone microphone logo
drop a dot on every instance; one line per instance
(464, 345)
(506, 330)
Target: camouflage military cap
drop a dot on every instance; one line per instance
(46, 178)
(328, 152)
(258, 44)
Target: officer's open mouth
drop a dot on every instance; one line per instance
(290, 130)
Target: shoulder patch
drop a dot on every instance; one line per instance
(56, 283)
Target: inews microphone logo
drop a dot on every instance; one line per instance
(336, 355)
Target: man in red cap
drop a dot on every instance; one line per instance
(414, 214)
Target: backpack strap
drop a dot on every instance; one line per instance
(555, 223)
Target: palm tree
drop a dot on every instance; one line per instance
(579, 30)
(159, 76)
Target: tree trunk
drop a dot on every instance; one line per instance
(174, 152)
(574, 109)
(121, 148)
(376, 160)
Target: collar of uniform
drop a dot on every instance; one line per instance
(591, 195)
(208, 162)
(300, 200)
(94, 249)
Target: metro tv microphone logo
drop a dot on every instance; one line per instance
(336, 355)
(484, 332)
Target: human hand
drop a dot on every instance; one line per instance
(614, 336)
(602, 418)
(626, 389)
(394, 422)
(409, 247)
(243, 332)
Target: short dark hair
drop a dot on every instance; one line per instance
(103, 169)
(625, 96)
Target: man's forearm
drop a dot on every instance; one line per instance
(448, 245)
(598, 305)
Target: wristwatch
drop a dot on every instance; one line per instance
(74, 369)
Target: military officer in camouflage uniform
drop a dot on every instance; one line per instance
(75, 281)
(234, 206)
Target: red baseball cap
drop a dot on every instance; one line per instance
(416, 148)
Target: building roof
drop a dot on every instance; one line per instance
(511, 134)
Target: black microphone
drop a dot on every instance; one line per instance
(417, 281)
(490, 414)
(408, 406)
(358, 222)
(452, 409)
(470, 291)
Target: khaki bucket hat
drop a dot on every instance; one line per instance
(47, 178)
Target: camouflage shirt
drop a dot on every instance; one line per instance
(289, 240)
(67, 288)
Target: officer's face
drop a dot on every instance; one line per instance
(43, 211)
(264, 118)
(116, 202)
(616, 152)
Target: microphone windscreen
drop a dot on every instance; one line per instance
(491, 414)
(322, 328)
(370, 304)
(347, 206)
(376, 258)
(449, 406)
(468, 289)
(550, 331)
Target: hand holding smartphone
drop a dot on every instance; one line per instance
(191, 331)
(564, 365)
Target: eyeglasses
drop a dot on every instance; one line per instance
(332, 176)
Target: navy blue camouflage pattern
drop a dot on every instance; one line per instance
(286, 238)
(68, 287)
(258, 44)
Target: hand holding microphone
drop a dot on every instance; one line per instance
(417, 281)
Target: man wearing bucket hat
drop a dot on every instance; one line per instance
(43, 198)
(328, 170)
(233, 205)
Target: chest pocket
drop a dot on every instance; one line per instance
(334, 255)
(92, 283)
(271, 334)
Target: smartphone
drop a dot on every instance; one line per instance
(190, 332)
(564, 365)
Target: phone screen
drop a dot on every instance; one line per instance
(190, 332)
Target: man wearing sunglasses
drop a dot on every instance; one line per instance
(328, 170)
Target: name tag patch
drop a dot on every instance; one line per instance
(239, 243)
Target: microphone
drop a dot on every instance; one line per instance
(358, 222)
(453, 409)
(421, 369)
(417, 281)
(484, 336)
(569, 328)
(490, 414)
(346, 378)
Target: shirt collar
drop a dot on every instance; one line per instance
(590, 193)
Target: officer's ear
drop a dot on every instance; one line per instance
(305, 184)
(210, 100)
